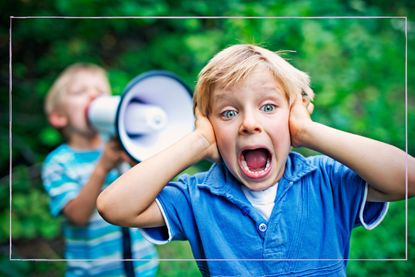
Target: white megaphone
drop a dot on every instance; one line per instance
(154, 111)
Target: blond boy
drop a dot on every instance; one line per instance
(75, 173)
(261, 210)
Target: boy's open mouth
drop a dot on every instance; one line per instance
(255, 163)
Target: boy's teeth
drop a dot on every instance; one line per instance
(257, 172)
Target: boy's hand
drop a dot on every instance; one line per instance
(111, 156)
(126, 158)
(300, 112)
(205, 130)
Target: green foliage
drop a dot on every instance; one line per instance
(357, 68)
(29, 208)
(30, 222)
(183, 260)
(17, 268)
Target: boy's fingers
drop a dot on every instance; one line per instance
(306, 99)
(126, 158)
(310, 108)
(198, 113)
(114, 144)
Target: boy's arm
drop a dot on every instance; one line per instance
(80, 209)
(381, 165)
(130, 200)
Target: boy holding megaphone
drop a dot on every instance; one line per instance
(74, 175)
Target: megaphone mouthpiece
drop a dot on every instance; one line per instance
(101, 114)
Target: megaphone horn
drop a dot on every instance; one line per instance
(154, 111)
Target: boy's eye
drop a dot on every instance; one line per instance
(229, 114)
(268, 108)
(77, 91)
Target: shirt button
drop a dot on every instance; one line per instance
(262, 227)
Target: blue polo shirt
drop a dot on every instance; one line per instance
(318, 203)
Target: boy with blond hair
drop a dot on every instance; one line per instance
(74, 175)
(261, 209)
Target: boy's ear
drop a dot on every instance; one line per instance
(57, 120)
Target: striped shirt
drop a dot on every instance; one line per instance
(97, 248)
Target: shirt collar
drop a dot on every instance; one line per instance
(297, 166)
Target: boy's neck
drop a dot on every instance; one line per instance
(85, 143)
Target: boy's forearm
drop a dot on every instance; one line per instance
(133, 192)
(79, 210)
(381, 165)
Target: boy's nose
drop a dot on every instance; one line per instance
(250, 125)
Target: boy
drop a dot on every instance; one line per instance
(74, 174)
(261, 209)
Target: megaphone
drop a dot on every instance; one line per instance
(154, 111)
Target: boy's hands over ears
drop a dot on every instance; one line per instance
(299, 119)
(205, 130)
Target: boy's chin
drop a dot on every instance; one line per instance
(258, 186)
(258, 183)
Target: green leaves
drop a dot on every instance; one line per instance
(30, 217)
(49, 136)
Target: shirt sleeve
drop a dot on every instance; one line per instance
(59, 185)
(349, 192)
(158, 235)
(174, 204)
(371, 214)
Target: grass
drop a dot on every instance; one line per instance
(177, 250)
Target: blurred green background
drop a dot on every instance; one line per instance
(357, 67)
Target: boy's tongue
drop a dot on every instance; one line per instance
(256, 159)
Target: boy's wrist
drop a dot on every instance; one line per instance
(314, 135)
(304, 136)
(200, 145)
(101, 169)
(207, 149)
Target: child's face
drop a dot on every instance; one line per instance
(250, 121)
(85, 86)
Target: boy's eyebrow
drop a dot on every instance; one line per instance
(267, 91)
(265, 88)
(222, 96)
(274, 92)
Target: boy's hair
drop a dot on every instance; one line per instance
(59, 89)
(233, 64)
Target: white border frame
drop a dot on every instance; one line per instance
(211, 17)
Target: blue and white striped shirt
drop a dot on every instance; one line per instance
(97, 248)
